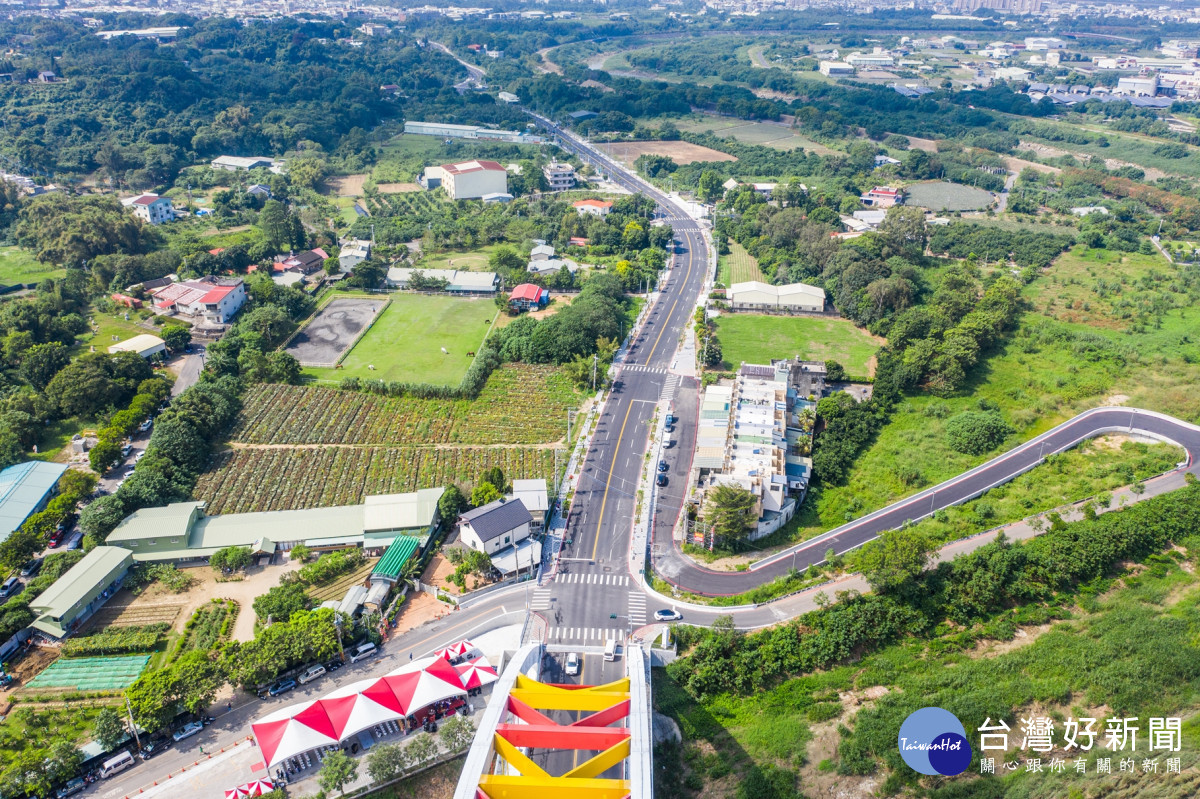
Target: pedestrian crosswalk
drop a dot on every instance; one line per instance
(640, 367)
(593, 578)
(593, 635)
(669, 388)
(637, 609)
(540, 600)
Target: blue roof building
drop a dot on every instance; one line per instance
(24, 490)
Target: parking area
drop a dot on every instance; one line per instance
(333, 330)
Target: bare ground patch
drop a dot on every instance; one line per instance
(397, 188)
(346, 185)
(681, 152)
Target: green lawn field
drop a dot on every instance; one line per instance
(738, 267)
(474, 261)
(19, 266)
(758, 339)
(405, 342)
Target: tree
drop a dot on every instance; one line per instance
(339, 769)
(41, 362)
(105, 455)
(484, 493)
(230, 559)
(903, 230)
(100, 516)
(452, 503)
(109, 728)
(279, 226)
(975, 432)
(176, 337)
(64, 761)
(731, 512)
(457, 733)
(422, 749)
(495, 476)
(300, 552)
(710, 189)
(892, 561)
(281, 602)
(834, 372)
(20, 546)
(386, 762)
(711, 350)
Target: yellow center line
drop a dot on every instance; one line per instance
(686, 277)
(611, 468)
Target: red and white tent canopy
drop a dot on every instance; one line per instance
(405, 690)
(476, 673)
(456, 650)
(354, 710)
(293, 730)
(253, 788)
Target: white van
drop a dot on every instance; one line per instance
(116, 765)
(362, 651)
(610, 649)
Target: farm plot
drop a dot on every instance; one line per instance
(333, 330)
(134, 615)
(92, 674)
(681, 152)
(246, 480)
(521, 404)
(338, 588)
(947, 197)
(739, 266)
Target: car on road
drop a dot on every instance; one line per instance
(663, 466)
(153, 748)
(11, 587)
(187, 731)
(32, 567)
(364, 650)
(146, 425)
(572, 667)
(661, 480)
(669, 428)
(281, 687)
(312, 673)
(139, 456)
(666, 614)
(129, 472)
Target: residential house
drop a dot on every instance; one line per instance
(528, 297)
(550, 266)
(560, 176)
(304, 263)
(883, 197)
(259, 190)
(234, 163)
(212, 300)
(151, 208)
(541, 252)
(593, 207)
(353, 253)
(503, 530)
(535, 496)
(885, 160)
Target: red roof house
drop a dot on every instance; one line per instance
(527, 297)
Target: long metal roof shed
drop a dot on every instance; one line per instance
(24, 487)
(67, 599)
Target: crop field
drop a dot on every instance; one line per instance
(947, 197)
(757, 339)
(139, 615)
(739, 266)
(404, 343)
(680, 152)
(768, 134)
(338, 588)
(280, 478)
(92, 674)
(521, 404)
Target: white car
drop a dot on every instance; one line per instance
(313, 673)
(667, 615)
(146, 425)
(572, 667)
(187, 730)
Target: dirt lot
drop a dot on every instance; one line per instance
(397, 188)
(418, 609)
(333, 330)
(346, 185)
(681, 152)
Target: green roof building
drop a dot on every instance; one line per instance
(76, 595)
(25, 488)
(180, 532)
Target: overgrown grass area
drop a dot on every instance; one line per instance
(758, 339)
(19, 266)
(474, 261)
(1124, 147)
(1119, 647)
(738, 267)
(405, 342)
(28, 728)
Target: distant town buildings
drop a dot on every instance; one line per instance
(833, 69)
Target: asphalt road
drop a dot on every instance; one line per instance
(594, 670)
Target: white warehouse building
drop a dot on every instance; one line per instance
(754, 295)
(468, 180)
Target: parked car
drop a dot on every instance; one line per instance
(146, 425)
(32, 567)
(333, 665)
(667, 614)
(153, 748)
(311, 674)
(187, 731)
(671, 419)
(139, 456)
(572, 667)
(126, 449)
(11, 587)
(56, 538)
(281, 687)
(663, 466)
(362, 651)
(76, 543)
(68, 522)
(74, 785)
(669, 428)
(661, 479)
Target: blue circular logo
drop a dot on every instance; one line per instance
(933, 741)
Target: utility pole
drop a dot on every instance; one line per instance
(132, 724)
(595, 365)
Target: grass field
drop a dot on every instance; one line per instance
(19, 266)
(738, 267)
(947, 197)
(1125, 147)
(681, 152)
(757, 339)
(405, 343)
(474, 261)
(768, 134)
